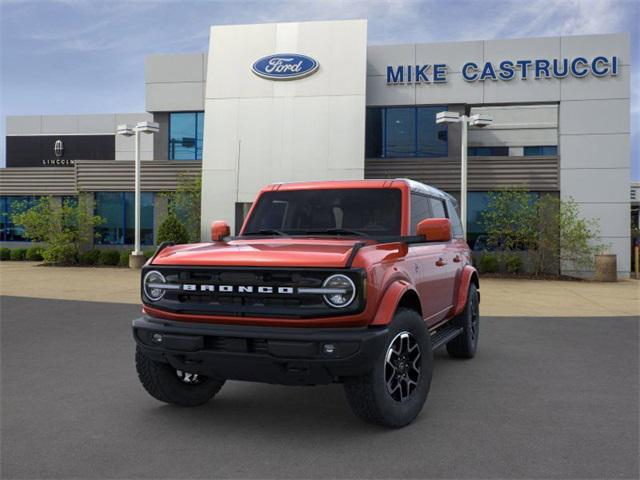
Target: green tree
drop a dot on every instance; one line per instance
(171, 230)
(579, 237)
(551, 229)
(184, 203)
(63, 227)
(545, 253)
(509, 219)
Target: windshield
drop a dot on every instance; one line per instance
(360, 212)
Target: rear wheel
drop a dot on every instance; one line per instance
(393, 392)
(466, 344)
(165, 383)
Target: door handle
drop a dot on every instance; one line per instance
(457, 259)
(440, 262)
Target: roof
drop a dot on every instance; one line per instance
(427, 189)
(368, 183)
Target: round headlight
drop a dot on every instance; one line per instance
(152, 285)
(343, 291)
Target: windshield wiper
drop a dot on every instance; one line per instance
(338, 231)
(268, 231)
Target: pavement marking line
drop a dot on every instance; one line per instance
(499, 297)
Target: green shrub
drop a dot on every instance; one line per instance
(63, 227)
(488, 263)
(514, 264)
(184, 203)
(65, 254)
(109, 257)
(124, 258)
(18, 254)
(171, 230)
(149, 253)
(5, 254)
(34, 254)
(90, 257)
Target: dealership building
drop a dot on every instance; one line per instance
(312, 101)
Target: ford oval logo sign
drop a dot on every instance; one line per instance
(285, 66)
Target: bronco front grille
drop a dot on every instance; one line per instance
(251, 291)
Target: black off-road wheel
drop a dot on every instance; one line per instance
(165, 383)
(393, 392)
(466, 344)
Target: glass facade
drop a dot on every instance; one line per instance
(185, 135)
(405, 132)
(9, 232)
(117, 209)
(541, 151)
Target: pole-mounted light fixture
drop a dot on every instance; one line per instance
(477, 120)
(136, 259)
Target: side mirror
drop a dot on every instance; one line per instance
(435, 229)
(219, 230)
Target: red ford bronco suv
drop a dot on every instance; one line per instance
(355, 282)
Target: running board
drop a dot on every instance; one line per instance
(444, 335)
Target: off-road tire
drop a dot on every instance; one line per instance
(466, 344)
(368, 395)
(163, 383)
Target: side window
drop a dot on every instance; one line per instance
(456, 225)
(419, 210)
(437, 207)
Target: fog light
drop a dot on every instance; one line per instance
(156, 338)
(329, 348)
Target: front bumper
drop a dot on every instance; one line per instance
(282, 355)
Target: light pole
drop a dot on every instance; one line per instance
(477, 120)
(136, 259)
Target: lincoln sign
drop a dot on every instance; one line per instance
(506, 70)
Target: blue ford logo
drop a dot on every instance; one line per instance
(284, 66)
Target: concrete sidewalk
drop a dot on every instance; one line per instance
(500, 297)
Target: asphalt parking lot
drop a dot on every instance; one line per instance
(544, 398)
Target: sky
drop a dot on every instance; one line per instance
(87, 56)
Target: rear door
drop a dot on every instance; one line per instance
(429, 269)
(450, 255)
(460, 252)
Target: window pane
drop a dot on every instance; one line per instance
(456, 225)
(199, 134)
(419, 210)
(547, 150)
(117, 208)
(4, 218)
(400, 132)
(432, 138)
(182, 136)
(532, 151)
(370, 211)
(109, 207)
(373, 133)
(499, 151)
(9, 206)
(437, 208)
(146, 218)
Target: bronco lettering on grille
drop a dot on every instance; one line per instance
(191, 287)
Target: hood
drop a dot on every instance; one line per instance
(272, 252)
